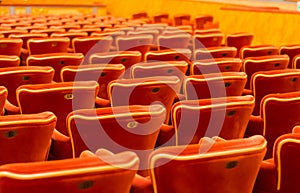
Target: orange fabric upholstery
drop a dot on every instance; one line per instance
(181, 19)
(239, 40)
(174, 41)
(214, 85)
(281, 172)
(169, 55)
(13, 77)
(209, 167)
(263, 63)
(274, 124)
(226, 117)
(275, 81)
(126, 128)
(102, 73)
(9, 61)
(10, 46)
(49, 45)
(201, 20)
(260, 50)
(291, 51)
(56, 60)
(145, 91)
(26, 138)
(207, 40)
(85, 174)
(216, 65)
(61, 99)
(215, 52)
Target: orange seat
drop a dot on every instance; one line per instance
(109, 173)
(102, 73)
(90, 45)
(280, 173)
(125, 128)
(9, 61)
(26, 138)
(50, 30)
(207, 40)
(215, 52)
(216, 65)
(239, 40)
(278, 116)
(56, 60)
(251, 65)
(260, 50)
(49, 45)
(212, 166)
(13, 77)
(291, 50)
(169, 55)
(61, 99)
(182, 19)
(275, 81)
(145, 91)
(194, 119)
(201, 20)
(10, 46)
(296, 61)
(176, 41)
(214, 85)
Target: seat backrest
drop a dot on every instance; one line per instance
(13, 77)
(169, 55)
(90, 45)
(286, 158)
(141, 43)
(215, 52)
(208, 167)
(216, 65)
(56, 60)
(194, 119)
(145, 91)
(25, 37)
(11, 46)
(26, 138)
(49, 45)
(9, 61)
(214, 85)
(260, 50)
(239, 40)
(102, 73)
(291, 51)
(207, 40)
(175, 41)
(275, 81)
(280, 116)
(125, 128)
(181, 19)
(165, 68)
(201, 20)
(251, 65)
(86, 174)
(59, 98)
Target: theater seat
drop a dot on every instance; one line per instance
(26, 138)
(88, 174)
(3, 98)
(226, 117)
(278, 116)
(61, 99)
(212, 166)
(49, 45)
(280, 173)
(117, 129)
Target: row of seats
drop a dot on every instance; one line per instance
(137, 116)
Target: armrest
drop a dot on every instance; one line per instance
(58, 136)
(166, 136)
(266, 180)
(255, 126)
(141, 184)
(100, 102)
(11, 109)
(247, 92)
